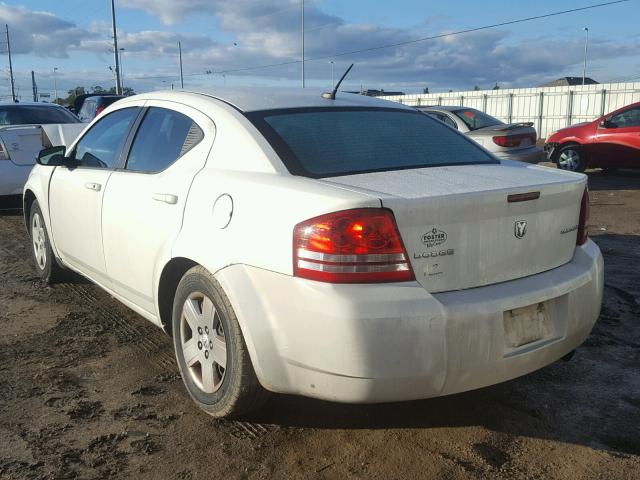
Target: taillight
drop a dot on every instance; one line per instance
(583, 223)
(514, 140)
(351, 246)
(99, 110)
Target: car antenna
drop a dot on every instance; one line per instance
(332, 95)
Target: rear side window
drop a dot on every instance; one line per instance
(163, 137)
(324, 142)
(475, 119)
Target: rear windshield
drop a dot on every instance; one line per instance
(324, 142)
(475, 119)
(33, 114)
(106, 101)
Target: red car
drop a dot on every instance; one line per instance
(611, 141)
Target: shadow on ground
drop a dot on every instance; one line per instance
(616, 180)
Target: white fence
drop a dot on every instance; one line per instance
(549, 108)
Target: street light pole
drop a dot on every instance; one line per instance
(302, 43)
(332, 82)
(55, 84)
(115, 48)
(586, 43)
(180, 58)
(13, 84)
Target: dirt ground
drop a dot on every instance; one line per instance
(90, 390)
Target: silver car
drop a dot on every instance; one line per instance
(510, 141)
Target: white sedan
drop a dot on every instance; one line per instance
(24, 129)
(348, 249)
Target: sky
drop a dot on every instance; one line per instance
(223, 41)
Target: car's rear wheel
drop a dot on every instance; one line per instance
(210, 350)
(45, 262)
(572, 158)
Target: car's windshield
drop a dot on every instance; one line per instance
(324, 142)
(34, 114)
(475, 119)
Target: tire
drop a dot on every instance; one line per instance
(202, 314)
(45, 262)
(572, 157)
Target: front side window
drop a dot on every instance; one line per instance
(100, 146)
(324, 142)
(35, 115)
(475, 119)
(628, 118)
(163, 137)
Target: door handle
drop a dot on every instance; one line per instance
(166, 198)
(93, 186)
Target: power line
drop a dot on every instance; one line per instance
(401, 44)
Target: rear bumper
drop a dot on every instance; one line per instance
(532, 154)
(393, 342)
(13, 177)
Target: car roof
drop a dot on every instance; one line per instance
(248, 99)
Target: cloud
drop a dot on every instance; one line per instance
(264, 33)
(41, 33)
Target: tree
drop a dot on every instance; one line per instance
(125, 91)
(425, 90)
(476, 88)
(98, 89)
(496, 87)
(73, 93)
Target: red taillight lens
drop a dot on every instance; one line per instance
(583, 223)
(99, 110)
(514, 140)
(352, 246)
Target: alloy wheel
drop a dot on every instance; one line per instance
(204, 347)
(39, 240)
(569, 159)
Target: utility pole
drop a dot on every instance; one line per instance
(586, 43)
(115, 48)
(180, 58)
(13, 84)
(121, 70)
(302, 43)
(34, 86)
(55, 84)
(332, 82)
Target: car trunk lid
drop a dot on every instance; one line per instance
(24, 142)
(511, 136)
(469, 226)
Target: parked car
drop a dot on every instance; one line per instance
(510, 141)
(94, 105)
(609, 142)
(23, 133)
(353, 250)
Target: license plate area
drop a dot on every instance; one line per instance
(527, 325)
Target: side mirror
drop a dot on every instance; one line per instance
(607, 123)
(52, 156)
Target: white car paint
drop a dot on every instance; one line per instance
(343, 342)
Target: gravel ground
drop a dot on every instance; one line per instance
(90, 390)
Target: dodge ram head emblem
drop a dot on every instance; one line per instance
(520, 228)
